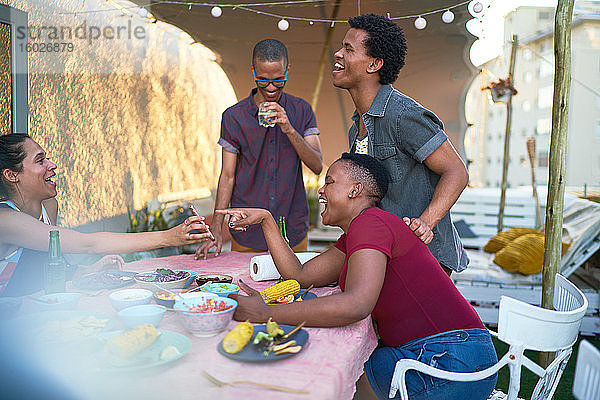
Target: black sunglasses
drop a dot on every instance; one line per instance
(278, 83)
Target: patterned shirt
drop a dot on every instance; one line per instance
(362, 145)
(268, 173)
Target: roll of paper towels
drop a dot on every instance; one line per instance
(262, 268)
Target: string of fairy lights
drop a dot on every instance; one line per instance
(476, 8)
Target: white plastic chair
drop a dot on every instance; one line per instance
(523, 327)
(586, 385)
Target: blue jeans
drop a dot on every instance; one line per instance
(465, 350)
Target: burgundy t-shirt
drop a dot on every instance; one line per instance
(417, 298)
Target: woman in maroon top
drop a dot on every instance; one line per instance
(384, 270)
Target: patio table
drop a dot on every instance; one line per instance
(328, 367)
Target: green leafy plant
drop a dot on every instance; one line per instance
(143, 220)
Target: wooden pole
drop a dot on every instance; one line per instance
(558, 148)
(511, 72)
(558, 151)
(317, 90)
(531, 154)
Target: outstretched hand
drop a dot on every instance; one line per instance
(420, 228)
(251, 307)
(241, 218)
(185, 233)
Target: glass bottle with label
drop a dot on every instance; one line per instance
(55, 275)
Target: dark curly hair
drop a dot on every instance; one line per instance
(370, 172)
(12, 154)
(270, 50)
(386, 41)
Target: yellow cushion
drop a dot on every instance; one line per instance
(503, 238)
(525, 254)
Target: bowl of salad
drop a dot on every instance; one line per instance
(205, 315)
(220, 289)
(162, 278)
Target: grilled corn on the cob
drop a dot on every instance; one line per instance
(281, 289)
(131, 342)
(238, 337)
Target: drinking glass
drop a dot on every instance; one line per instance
(265, 117)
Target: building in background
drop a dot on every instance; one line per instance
(532, 106)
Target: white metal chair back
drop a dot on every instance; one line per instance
(586, 385)
(523, 327)
(567, 296)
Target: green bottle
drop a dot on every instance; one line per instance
(282, 229)
(55, 276)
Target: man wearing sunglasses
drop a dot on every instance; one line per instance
(262, 166)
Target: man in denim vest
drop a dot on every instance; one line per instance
(427, 174)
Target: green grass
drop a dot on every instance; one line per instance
(529, 379)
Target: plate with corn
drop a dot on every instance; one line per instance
(262, 343)
(139, 348)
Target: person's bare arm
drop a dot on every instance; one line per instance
(308, 148)
(222, 201)
(454, 177)
(364, 280)
(22, 230)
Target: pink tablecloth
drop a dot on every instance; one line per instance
(328, 367)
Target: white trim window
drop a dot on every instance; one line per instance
(544, 126)
(545, 98)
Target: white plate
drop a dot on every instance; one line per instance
(62, 325)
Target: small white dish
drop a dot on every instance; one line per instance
(129, 297)
(144, 314)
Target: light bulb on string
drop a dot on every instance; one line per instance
(475, 8)
(420, 23)
(190, 7)
(283, 25)
(216, 11)
(311, 23)
(448, 16)
(142, 12)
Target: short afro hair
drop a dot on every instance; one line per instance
(386, 40)
(270, 50)
(370, 172)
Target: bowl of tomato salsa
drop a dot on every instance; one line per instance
(205, 315)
